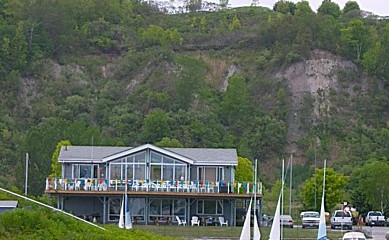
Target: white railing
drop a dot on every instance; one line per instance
(94, 184)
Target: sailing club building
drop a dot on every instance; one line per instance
(161, 184)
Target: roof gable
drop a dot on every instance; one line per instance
(152, 147)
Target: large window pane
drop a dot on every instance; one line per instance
(167, 207)
(85, 171)
(76, 171)
(156, 158)
(179, 173)
(219, 207)
(168, 172)
(209, 207)
(115, 171)
(155, 207)
(139, 172)
(210, 174)
(168, 160)
(130, 171)
(155, 172)
(114, 209)
(138, 207)
(179, 207)
(140, 157)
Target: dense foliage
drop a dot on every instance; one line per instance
(124, 73)
(46, 224)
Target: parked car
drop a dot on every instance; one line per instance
(342, 219)
(375, 218)
(286, 221)
(354, 236)
(311, 219)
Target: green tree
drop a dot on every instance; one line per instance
(329, 8)
(372, 182)
(244, 171)
(303, 9)
(235, 24)
(356, 37)
(335, 185)
(350, 6)
(169, 142)
(156, 126)
(154, 36)
(55, 165)
(14, 50)
(236, 102)
(285, 7)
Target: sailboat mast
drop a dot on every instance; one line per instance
(282, 196)
(290, 184)
(255, 187)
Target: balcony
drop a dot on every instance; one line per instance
(106, 185)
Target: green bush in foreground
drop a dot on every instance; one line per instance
(46, 224)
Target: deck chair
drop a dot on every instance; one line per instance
(222, 221)
(180, 222)
(195, 221)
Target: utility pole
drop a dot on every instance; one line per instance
(26, 180)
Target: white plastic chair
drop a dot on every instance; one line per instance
(195, 221)
(180, 222)
(222, 221)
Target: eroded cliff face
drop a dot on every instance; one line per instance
(314, 79)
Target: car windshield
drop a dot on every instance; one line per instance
(312, 214)
(286, 217)
(375, 214)
(342, 214)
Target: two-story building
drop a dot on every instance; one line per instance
(161, 183)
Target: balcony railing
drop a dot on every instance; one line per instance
(94, 184)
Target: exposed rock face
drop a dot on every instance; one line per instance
(314, 77)
(319, 72)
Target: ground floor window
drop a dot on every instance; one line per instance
(211, 207)
(167, 208)
(137, 206)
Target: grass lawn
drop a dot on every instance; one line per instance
(189, 232)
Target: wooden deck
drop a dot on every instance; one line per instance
(151, 194)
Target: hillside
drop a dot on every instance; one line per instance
(267, 82)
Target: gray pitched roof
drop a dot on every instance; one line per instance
(200, 156)
(208, 156)
(87, 153)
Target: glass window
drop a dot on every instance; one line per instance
(210, 174)
(115, 171)
(140, 157)
(155, 172)
(167, 207)
(168, 172)
(138, 208)
(140, 171)
(156, 158)
(85, 170)
(114, 205)
(76, 171)
(130, 171)
(167, 160)
(155, 207)
(210, 207)
(179, 207)
(179, 172)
